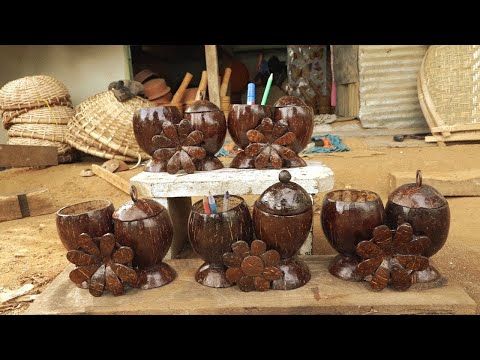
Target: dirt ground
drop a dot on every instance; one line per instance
(31, 252)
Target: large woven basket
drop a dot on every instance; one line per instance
(449, 85)
(31, 92)
(9, 115)
(62, 148)
(80, 140)
(58, 115)
(109, 121)
(39, 131)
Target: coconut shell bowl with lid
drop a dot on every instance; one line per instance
(428, 213)
(282, 218)
(145, 226)
(271, 137)
(349, 217)
(212, 235)
(207, 118)
(147, 122)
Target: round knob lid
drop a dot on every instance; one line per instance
(284, 197)
(289, 101)
(417, 195)
(137, 209)
(201, 106)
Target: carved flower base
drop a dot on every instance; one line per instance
(295, 274)
(209, 163)
(242, 161)
(427, 279)
(155, 166)
(343, 267)
(156, 276)
(212, 276)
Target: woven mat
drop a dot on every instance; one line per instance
(31, 92)
(449, 84)
(109, 121)
(39, 131)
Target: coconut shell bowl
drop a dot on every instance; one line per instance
(349, 217)
(145, 226)
(212, 235)
(282, 219)
(271, 137)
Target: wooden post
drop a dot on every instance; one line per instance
(212, 72)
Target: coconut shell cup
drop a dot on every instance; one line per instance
(427, 211)
(348, 217)
(145, 226)
(212, 235)
(147, 122)
(91, 217)
(242, 118)
(282, 219)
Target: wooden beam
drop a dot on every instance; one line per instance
(212, 72)
(33, 203)
(27, 155)
(115, 180)
(449, 183)
(456, 127)
(465, 136)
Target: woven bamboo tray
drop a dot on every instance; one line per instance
(109, 121)
(449, 92)
(58, 115)
(39, 131)
(62, 148)
(80, 140)
(9, 115)
(32, 91)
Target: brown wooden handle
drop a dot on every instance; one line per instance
(202, 86)
(181, 89)
(225, 81)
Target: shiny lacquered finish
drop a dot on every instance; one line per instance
(242, 118)
(348, 217)
(145, 226)
(212, 235)
(299, 117)
(282, 219)
(91, 217)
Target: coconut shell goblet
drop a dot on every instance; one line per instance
(282, 219)
(91, 217)
(147, 122)
(428, 212)
(349, 217)
(210, 120)
(145, 226)
(212, 235)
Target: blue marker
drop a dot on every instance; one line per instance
(212, 204)
(251, 94)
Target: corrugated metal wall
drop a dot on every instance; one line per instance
(388, 86)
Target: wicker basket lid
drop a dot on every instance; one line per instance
(39, 131)
(31, 91)
(284, 197)
(58, 115)
(201, 106)
(137, 209)
(109, 121)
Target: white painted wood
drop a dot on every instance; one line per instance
(314, 178)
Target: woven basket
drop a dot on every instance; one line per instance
(32, 91)
(449, 84)
(109, 121)
(58, 115)
(62, 148)
(9, 115)
(80, 140)
(39, 131)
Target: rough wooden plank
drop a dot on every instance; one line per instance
(449, 183)
(36, 202)
(314, 178)
(456, 127)
(112, 178)
(345, 64)
(323, 294)
(27, 155)
(212, 72)
(460, 136)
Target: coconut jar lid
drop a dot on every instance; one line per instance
(286, 101)
(201, 106)
(417, 195)
(284, 197)
(137, 209)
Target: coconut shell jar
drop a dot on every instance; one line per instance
(427, 211)
(145, 226)
(282, 218)
(210, 120)
(147, 122)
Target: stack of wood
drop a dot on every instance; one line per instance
(36, 111)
